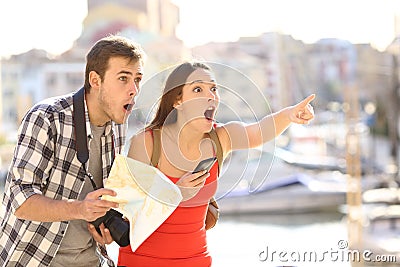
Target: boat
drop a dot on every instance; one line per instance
(381, 226)
(279, 188)
(291, 194)
(275, 184)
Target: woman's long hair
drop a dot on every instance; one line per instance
(166, 113)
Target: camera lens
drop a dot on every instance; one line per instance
(118, 227)
(119, 230)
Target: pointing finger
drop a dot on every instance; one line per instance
(307, 101)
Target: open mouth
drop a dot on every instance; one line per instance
(128, 107)
(209, 113)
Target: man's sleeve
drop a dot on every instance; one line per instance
(33, 158)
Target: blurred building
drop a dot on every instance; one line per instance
(333, 63)
(256, 75)
(287, 70)
(32, 76)
(22, 85)
(154, 17)
(1, 98)
(151, 23)
(269, 62)
(286, 67)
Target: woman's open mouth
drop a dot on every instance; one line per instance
(209, 113)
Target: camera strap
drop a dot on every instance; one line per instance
(78, 117)
(80, 126)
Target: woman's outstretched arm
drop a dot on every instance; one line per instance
(238, 135)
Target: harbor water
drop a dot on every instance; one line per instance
(289, 240)
(256, 240)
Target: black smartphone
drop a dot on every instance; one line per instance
(205, 165)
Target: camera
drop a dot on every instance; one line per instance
(119, 228)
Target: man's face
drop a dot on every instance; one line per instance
(118, 89)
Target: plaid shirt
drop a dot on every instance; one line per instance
(45, 163)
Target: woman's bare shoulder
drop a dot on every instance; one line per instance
(229, 134)
(142, 136)
(141, 146)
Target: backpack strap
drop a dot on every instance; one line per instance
(157, 147)
(155, 156)
(220, 156)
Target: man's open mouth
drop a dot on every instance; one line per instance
(128, 107)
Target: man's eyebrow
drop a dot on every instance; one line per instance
(201, 81)
(125, 72)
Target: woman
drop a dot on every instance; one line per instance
(184, 119)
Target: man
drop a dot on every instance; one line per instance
(50, 196)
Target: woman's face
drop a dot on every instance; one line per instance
(199, 100)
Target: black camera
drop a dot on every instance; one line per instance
(119, 228)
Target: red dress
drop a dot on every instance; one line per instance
(181, 240)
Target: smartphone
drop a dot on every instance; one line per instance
(205, 165)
